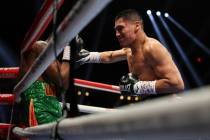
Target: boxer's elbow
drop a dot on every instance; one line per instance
(177, 85)
(181, 86)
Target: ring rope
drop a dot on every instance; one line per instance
(4, 72)
(8, 98)
(9, 72)
(4, 127)
(84, 10)
(188, 118)
(40, 23)
(97, 86)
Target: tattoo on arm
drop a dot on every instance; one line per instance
(111, 55)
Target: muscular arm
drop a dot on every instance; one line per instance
(52, 72)
(113, 56)
(169, 78)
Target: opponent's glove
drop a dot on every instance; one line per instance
(80, 52)
(129, 85)
(83, 56)
(78, 43)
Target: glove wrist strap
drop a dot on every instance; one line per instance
(66, 53)
(94, 57)
(145, 87)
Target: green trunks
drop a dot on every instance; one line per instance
(42, 104)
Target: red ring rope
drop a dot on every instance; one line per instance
(9, 98)
(97, 86)
(78, 82)
(11, 72)
(4, 128)
(6, 98)
(41, 22)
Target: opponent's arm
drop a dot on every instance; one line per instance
(60, 69)
(52, 72)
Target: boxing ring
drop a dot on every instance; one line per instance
(161, 119)
(8, 98)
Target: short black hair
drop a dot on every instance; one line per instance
(129, 14)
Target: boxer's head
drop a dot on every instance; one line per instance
(32, 53)
(127, 25)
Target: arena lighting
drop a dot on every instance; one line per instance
(166, 15)
(149, 12)
(85, 10)
(165, 44)
(156, 28)
(6, 54)
(190, 35)
(182, 54)
(158, 13)
(199, 59)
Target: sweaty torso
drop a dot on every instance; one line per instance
(140, 65)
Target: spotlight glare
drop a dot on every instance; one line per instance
(129, 98)
(166, 15)
(121, 97)
(158, 13)
(87, 94)
(199, 60)
(149, 12)
(136, 98)
(79, 93)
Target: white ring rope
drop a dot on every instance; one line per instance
(8, 99)
(92, 109)
(83, 12)
(160, 119)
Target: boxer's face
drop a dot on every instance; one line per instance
(125, 31)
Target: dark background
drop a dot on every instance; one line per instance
(17, 16)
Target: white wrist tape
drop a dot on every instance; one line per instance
(66, 53)
(145, 87)
(94, 57)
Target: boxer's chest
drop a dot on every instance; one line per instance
(140, 66)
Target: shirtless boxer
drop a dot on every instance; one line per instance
(40, 99)
(152, 70)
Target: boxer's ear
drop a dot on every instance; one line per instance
(137, 26)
